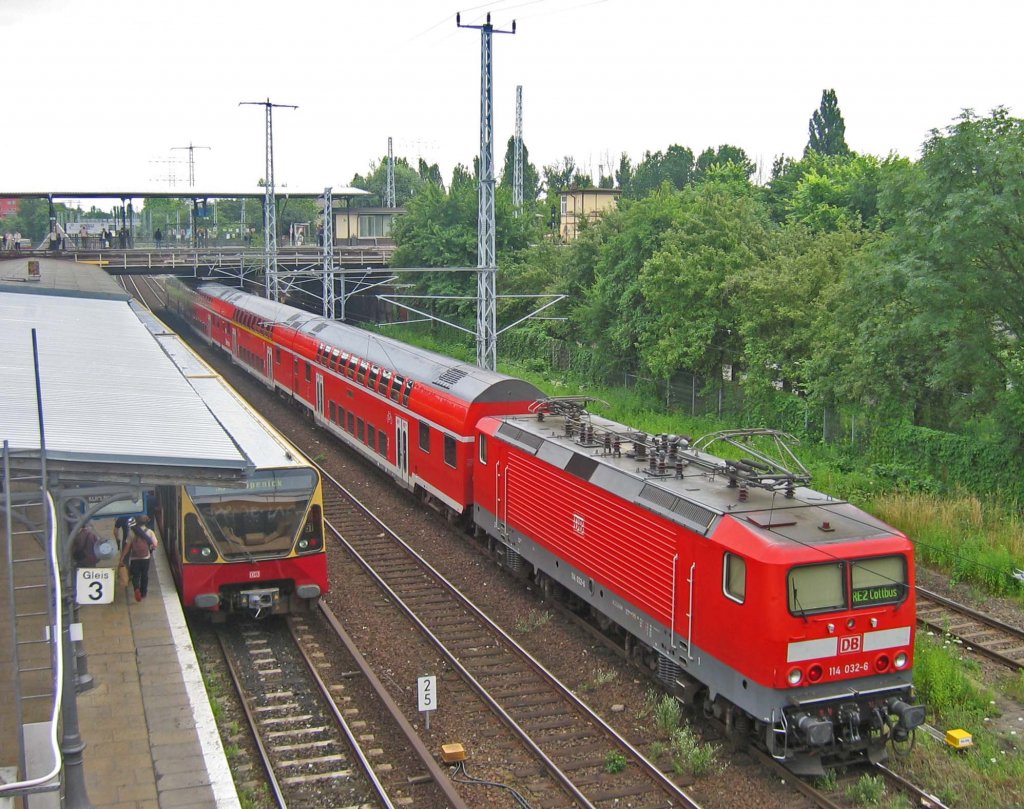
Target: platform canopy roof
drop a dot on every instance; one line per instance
(115, 407)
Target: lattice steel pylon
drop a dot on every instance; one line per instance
(389, 190)
(270, 204)
(517, 155)
(487, 264)
(329, 292)
(191, 161)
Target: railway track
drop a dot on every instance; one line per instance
(549, 734)
(979, 633)
(309, 753)
(837, 796)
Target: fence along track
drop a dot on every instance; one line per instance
(980, 633)
(557, 729)
(311, 757)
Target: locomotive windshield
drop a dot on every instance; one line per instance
(264, 516)
(816, 588)
(870, 582)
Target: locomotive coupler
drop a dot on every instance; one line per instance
(910, 717)
(818, 732)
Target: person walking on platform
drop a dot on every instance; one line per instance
(85, 547)
(137, 553)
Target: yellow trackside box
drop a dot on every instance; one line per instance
(450, 753)
(959, 738)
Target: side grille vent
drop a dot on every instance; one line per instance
(688, 510)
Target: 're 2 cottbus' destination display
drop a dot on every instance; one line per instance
(784, 612)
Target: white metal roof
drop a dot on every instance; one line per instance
(110, 393)
(246, 428)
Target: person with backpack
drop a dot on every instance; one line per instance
(137, 553)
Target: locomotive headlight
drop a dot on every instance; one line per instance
(303, 544)
(901, 660)
(206, 552)
(795, 676)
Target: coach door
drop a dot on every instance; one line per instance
(402, 449)
(320, 395)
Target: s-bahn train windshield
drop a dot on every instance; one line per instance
(840, 585)
(264, 516)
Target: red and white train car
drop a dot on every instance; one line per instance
(412, 412)
(770, 604)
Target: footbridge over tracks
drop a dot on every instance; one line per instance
(212, 261)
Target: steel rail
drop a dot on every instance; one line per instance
(268, 766)
(325, 692)
(981, 618)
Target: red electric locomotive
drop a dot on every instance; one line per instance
(777, 608)
(773, 606)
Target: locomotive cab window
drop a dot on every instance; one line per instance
(881, 580)
(449, 452)
(816, 588)
(734, 577)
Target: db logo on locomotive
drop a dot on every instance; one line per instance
(851, 644)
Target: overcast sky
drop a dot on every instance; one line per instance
(97, 93)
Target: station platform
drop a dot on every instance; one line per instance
(150, 735)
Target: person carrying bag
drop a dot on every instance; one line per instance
(138, 551)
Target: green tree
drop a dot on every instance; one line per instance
(722, 156)
(687, 284)
(826, 130)
(407, 183)
(531, 179)
(675, 166)
(959, 243)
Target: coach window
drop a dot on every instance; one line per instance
(482, 446)
(351, 423)
(334, 360)
(424, 436)
(449, 452)
(350, 372)
(817, 588)
(360, 433)
(341, 417)
(385, 380)
(382, 443)
(396, 388)
(371, 436)
(371, 381)
(334, 411)
(734, 577)
(407, 391)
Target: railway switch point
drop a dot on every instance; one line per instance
(453, 753)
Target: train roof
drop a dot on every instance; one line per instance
(463, 380)
(253, 436)
(113, 405)
(701, 496)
